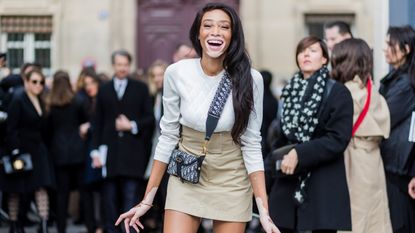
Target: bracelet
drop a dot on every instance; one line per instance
(146, 204)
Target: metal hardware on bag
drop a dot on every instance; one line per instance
(204, 147)
(179, 160)
(18, 164)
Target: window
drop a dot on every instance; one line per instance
(27, 39)
(315, 22)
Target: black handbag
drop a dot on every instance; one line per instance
(188, 166)
(185, 166)
(277, 156)
(17, 164)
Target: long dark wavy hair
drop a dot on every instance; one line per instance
(351, 57)
(61, 93)
(236, 63)
(404, 36)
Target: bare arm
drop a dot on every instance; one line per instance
(258, 185)
(131, 217)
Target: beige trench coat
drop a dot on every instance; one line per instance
(364, 166)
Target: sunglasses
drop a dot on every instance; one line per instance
(36, 82)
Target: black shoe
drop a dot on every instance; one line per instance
(16, 227)
(43, 227)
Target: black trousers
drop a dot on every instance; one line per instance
(67, 178)
(115, 191)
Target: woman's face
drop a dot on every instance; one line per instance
(311, 59)
(34, 85)
(394, 59)
(158, 75)
(91, 86)
(215, 33)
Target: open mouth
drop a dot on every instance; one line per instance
(215, 44)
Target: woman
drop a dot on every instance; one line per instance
(397, 151)
(93, 174)
(234, 162)
(310, 190)
(25, 134)
(65, 115)
(352, 64)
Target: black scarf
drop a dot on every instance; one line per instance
(302, 99)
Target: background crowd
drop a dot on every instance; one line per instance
(338, 177)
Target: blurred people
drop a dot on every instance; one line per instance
(155, 75)
(14, 82)
(124, 116)
(65, 115)
(269, 111)
(335, 32)
(352, 65)
(90, 197)
(4, 70)
(25, 131)
(398, 88)
(310, 192)
(183, 51)
(80, 80)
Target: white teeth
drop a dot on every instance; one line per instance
(215, 41)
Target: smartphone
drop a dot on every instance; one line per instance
(278, 165)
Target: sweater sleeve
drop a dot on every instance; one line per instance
(251, 138)
(169, 123)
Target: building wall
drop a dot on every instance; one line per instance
(82, 29)
(94, 28)
(273, 28)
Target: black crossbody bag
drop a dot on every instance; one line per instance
(188, 166)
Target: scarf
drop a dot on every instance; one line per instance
(302, 99)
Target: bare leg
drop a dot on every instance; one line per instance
(225, 227)
(178, 222)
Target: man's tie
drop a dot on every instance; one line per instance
(119, 92)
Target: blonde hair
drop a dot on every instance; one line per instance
(150, 73)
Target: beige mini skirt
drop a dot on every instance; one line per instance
(224, 192)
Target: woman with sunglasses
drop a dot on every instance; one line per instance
(25, 131)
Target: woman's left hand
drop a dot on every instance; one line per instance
(267, 224)
(411, 188)
(289, 162)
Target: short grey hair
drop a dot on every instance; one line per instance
(120, 52)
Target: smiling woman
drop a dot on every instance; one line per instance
(232, 169)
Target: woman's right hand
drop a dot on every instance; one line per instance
(132, 217)
(83, 129)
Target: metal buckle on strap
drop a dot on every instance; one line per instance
(204, 147)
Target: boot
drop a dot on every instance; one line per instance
(43, 226)
(16, 227)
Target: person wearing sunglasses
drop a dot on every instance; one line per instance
(25, 130)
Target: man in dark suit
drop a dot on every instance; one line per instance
(123, 116)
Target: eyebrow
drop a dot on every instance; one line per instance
(220, 21)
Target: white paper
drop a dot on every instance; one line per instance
(103, 149)
(412, 129)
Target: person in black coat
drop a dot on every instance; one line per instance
(310, 190)
(269, 111)
(65, 115)
(398, 88)
(25, 134)
(124, 116)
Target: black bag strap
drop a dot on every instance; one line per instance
(216, 107)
